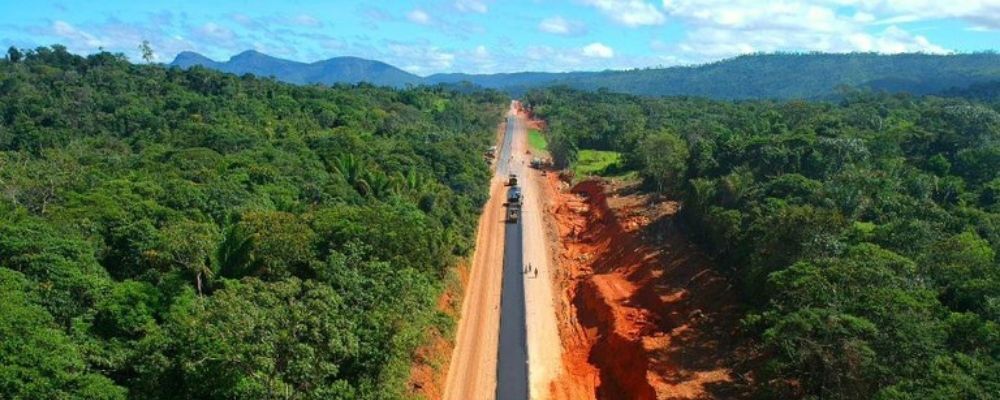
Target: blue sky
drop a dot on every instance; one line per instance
(483, 36)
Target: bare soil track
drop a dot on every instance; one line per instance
(472, 370)
(643, 315)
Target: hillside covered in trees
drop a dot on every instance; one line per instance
(862, 235)
(802, 76)
(172, 234)
(752, 76)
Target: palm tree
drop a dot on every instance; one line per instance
(349, 167)
(235, 251)
(380, 185)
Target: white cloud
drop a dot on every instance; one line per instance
(421, 59)
(895, 40)
(117, 36)
(754, 15)
(712, 29)
(598, 50)
(245, 20)
(212, 30)
(266, 23)
(481, 51)
(418, 16)
(725, 28)
(475, 6)
(863, 17)
(629, 12)
(479, 60)
(980, 13)
(76, 36)
(557, 25)
(306, 20)
(561, 26)
(547, 58)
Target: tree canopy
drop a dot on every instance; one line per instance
(169, 233)
(863, 233)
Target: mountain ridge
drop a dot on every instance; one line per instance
(345, 69)
(752, 76)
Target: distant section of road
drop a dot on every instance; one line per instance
(504, 166)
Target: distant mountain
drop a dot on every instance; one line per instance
(188, 59)
(331, 71)
(812, 75)
(777, 76)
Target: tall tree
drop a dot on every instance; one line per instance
(147, 51)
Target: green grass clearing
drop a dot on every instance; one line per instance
(537, 141)
(597, 162)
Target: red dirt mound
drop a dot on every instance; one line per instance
(644, 316)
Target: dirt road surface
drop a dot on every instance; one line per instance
(544, 347)
(472, 370)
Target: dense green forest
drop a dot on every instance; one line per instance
(803, 76)
(171, 234)
(863, 233)
(751, 76)
(768, 76)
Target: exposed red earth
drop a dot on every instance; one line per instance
(638, 311)
(642, 314)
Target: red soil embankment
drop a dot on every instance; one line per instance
(643, 316)
(430, 362)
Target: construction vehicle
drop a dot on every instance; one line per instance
(514, 195)
(513, 204)
(490, 154)
(513, 212)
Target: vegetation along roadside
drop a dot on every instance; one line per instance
(169, 233)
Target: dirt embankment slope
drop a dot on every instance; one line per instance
(431, 360)
(642, 314)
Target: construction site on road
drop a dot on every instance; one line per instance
(568, 297)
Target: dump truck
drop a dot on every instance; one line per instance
(514, 196)
(513, 212)
(512, 180)
(513, 204)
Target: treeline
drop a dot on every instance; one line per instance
(803, 76)
(170, 234)
(863, 234)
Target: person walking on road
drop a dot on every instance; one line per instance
(536, 272)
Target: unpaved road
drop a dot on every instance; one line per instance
(544, 346)
(472, 370)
